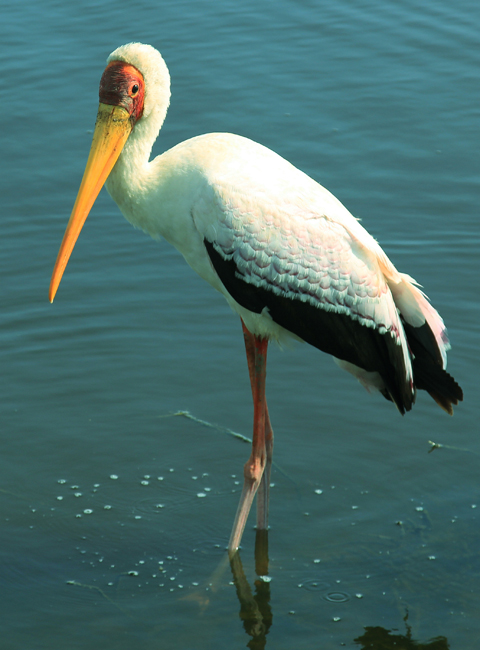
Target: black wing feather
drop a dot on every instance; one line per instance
(330, 332)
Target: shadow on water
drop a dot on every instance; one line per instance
(257, 616)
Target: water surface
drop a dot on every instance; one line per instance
(379, 101)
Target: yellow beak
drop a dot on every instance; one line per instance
(112, 129)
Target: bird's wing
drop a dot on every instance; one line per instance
(310, 258)
(314, 278)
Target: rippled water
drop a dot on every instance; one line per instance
(379, 101)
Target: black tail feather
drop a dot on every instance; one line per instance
(438, 383)
(428, 369)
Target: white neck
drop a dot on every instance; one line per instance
(127, 183)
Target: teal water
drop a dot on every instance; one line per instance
(379, 101)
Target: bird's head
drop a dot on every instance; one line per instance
(134, 93)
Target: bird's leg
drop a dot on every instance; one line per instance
(264, 488)
(256, 349)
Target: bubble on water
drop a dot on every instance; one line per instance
(314, 585)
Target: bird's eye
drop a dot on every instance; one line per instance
(134, 90)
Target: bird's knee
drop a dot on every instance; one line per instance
(253, 468)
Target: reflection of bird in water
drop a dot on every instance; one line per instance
(255, 609)
(284, 252)
(378, 638)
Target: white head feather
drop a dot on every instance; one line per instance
(155, 73)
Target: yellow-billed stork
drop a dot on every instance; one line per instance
(286, 254)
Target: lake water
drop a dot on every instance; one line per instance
(106, 539)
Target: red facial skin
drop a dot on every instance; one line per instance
(123, 85)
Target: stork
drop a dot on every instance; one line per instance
(287, 256)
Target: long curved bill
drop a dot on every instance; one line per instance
(112, 129)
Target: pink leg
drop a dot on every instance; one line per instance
(264, 488)
(257, 468)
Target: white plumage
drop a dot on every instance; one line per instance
(286, 254)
